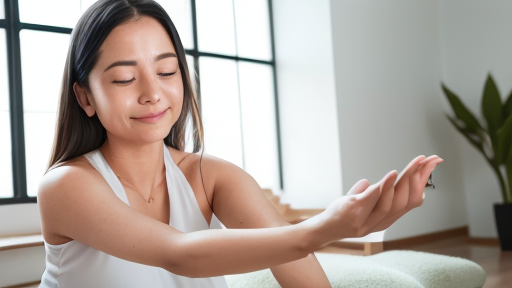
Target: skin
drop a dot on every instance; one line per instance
(124, 97)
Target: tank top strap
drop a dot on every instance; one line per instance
(183, 201)
(100, 164)
(185, 213)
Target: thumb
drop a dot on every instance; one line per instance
(359, 187)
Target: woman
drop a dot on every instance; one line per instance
(122, 204)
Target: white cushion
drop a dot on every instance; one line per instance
(393, 269)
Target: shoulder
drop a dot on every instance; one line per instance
(190, 161)
(63, 190)
(213, 170)
(72, 173)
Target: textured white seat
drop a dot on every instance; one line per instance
(393, 269)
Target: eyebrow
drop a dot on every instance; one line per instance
(134, 63)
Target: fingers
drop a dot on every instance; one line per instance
(419, 179)
(416, 185)
(402, 185)
(385, 202)
(363, 204)
(375, 207)
(410, 168)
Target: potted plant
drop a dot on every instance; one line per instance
(492, 137)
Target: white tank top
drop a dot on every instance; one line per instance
(76, 265)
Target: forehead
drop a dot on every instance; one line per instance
(141, 37)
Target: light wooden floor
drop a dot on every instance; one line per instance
(497, 263)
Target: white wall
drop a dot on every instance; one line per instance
(477, 40)
(307, 102)
(26, 264)
(19, 219)
(388, 67)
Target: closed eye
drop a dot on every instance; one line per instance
(166, 74)
(123, 82)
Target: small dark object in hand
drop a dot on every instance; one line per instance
(430, 183)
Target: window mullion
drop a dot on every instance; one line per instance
(276, 101)
(16, 100)
(195, 53)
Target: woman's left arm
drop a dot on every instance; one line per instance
(239, 203)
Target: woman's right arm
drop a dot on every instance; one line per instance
(75, 203)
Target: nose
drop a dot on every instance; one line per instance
(149, 89)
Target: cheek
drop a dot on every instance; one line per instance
(107, 103)
(176, 92)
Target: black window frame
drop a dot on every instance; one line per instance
(13, 27)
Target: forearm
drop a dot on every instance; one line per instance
(305, 272)
(232, 251)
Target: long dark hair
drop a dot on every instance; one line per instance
(76, 133)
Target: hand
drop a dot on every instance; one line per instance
(370, 208)
(409, 189)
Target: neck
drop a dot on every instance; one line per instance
(141, 166)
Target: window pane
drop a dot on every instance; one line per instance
(4, 82)
(42, 61)
(181, 15)
(63, 13)
(6, 189)
(259, 123)
(221, 109)
(215, 26)
(2, 11)
(43, 55)
(39, 132)
(253, 29)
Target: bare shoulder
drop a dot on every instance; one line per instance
(71, 174)
(67, 191)
(211, 167)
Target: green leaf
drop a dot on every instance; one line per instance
(474, 138)
(507, 107)
(504, 141)
(462, 113)
(491, 109)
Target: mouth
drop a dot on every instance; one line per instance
(151, 117)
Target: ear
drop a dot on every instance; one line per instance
(83, 98)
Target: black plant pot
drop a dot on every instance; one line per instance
(503, 217)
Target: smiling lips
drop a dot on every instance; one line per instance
(152, 117)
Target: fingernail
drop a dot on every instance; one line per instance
(390, 173)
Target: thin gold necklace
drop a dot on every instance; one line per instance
(151, 198)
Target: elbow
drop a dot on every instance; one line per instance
(188, 269)
(186, 272)
(183, 260)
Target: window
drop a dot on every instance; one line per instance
(2, 12)
(230, 50)
(5, 124)
(237, 85)
(60, 13)
(40, 96)
(30, 70)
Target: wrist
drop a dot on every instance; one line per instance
(311, 236)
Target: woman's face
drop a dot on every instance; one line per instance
(136, 87)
